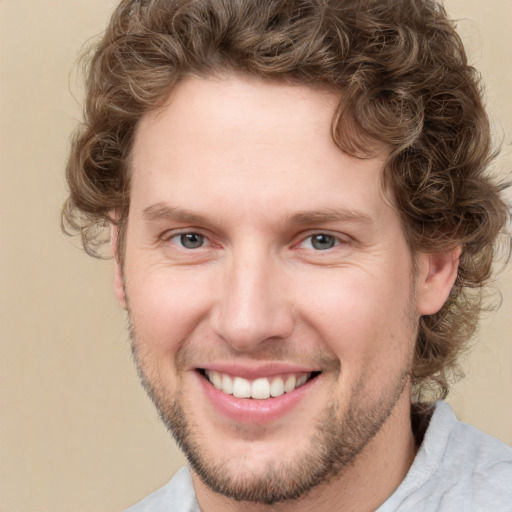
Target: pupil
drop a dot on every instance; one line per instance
(192, 240)
(322, 242)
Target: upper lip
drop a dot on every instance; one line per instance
(252, 372)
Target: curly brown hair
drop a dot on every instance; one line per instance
(403, 80)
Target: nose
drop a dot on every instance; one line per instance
(252, 307)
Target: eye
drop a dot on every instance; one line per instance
(189, 240)
(320, 242)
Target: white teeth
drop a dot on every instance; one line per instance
(216, 380)
(261, 388)
(241, 388)
(277, 387)
(301, 380)
(290, 383)
(227, 384)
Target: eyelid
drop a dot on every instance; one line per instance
(339, 238)
(167, 236)
(171, 234)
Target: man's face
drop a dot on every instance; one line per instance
(260, 259)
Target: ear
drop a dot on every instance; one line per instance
(436, 275)
(118, 272)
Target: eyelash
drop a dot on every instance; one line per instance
(179, 236)
(335, 239)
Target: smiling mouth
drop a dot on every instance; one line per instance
(261, 388)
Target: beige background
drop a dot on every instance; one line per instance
(76, 431)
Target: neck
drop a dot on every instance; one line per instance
(361, 486)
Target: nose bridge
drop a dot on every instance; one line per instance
(253, 306)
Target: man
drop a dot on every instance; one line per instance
(302, 228)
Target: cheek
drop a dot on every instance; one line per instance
(164, 309)
(362, 318)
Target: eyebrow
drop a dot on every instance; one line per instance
(330, 215)
(163, 211)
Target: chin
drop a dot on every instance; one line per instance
(252, 464)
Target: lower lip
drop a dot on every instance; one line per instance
(254, 411)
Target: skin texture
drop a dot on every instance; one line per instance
(252, 169)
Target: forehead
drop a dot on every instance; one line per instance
(242, 109)
(244, 143)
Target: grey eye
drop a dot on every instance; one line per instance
(191, 240)
(321, 242)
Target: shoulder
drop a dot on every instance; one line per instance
(482, 464)
(457, 467)
(483, 455)
(177, 495)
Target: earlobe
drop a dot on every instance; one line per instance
(436, 276)
(118, 272)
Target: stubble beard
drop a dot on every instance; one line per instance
(334, 444)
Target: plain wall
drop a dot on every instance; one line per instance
(76, 431)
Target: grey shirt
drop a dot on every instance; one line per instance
(457, 468)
